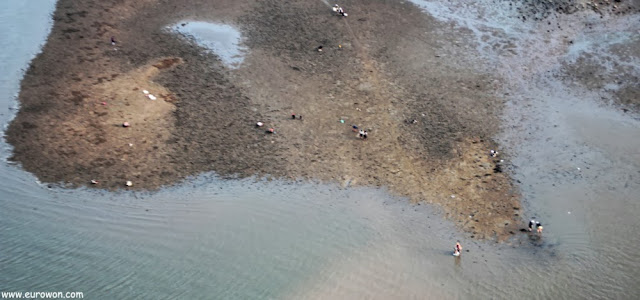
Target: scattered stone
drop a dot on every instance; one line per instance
(129, 183)
(126, 124)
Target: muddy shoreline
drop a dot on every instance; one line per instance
(388, 68)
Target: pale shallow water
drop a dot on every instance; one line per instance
(222, 39)
(209, 238)
(576, 158)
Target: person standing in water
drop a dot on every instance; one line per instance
(532, 223)
(457, 249)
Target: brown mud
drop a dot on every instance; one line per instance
(388, 68)
(538, 10)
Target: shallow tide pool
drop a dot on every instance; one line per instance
(222, 39)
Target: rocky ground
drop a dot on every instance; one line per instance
(388, 68)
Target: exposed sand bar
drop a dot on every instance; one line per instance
(412, 81)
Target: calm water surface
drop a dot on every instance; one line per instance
(209, 238)
(222, 39)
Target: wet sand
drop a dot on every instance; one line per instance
(382, 67)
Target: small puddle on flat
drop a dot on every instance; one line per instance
(223, 40)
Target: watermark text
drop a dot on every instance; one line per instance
(42, 295)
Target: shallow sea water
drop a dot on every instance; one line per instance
(251, 239)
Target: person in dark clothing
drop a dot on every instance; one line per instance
(533, 224)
